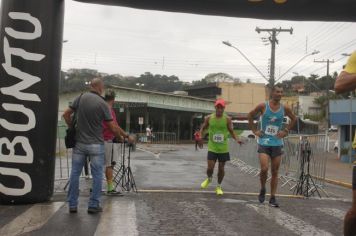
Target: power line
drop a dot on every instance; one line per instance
(273, 40)
(327, 61)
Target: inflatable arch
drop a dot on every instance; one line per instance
(31, 45)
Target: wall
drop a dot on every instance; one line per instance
(307, 105)
(242, 98)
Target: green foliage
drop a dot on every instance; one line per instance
(344, 151)
(216, 77)
(317, 118)
(75, 80)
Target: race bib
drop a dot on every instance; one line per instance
(218, 138)
(271, 130)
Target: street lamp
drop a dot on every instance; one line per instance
(227, 43)
(301, 59)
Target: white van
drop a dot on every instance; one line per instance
(242, 128)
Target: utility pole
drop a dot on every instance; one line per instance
(273, 40)
(327, 61)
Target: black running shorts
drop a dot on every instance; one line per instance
(272, 151)
(221, 157)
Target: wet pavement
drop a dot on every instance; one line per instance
(171, 203)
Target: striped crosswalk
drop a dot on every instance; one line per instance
(121, 216)
(333, 212)
(288, 221)
(32, 219)
(118, 218)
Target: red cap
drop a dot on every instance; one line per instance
(220, 102)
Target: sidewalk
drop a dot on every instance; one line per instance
(338, 171)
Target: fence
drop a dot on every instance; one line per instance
(63, 162)
(244, 156)
(64, 157)
(157, 138)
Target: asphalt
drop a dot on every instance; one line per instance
(170, 202)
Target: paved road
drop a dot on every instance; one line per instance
(184, 210)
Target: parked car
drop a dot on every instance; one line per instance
(333, 128)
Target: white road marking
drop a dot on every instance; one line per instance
(340, 214)
(32, 219)
(228, 200)
(152, 153)
(288, 221)
(118, 218)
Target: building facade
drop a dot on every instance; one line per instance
(302, 105)
(241, 97)
(343, 115)
(163, 112)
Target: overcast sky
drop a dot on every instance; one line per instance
(130, 42)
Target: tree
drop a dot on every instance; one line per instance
(75, 80)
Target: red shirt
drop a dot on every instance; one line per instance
(107, 134)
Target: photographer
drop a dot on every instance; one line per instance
(110, 144)
(91, 111)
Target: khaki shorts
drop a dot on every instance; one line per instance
(112, 152)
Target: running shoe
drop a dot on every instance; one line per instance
(94, 210)
(262, 195)
(219, 190)
(114, 193)
(206, 183)
(273, 202)
(73, 209)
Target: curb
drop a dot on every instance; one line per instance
(339, 183)
(213, 192)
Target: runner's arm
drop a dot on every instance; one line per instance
(231, 129)
(345, 82)
(251, 116)
(291, 116)
(204, 126)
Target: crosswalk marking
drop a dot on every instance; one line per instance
(288, 221)
(333, 212)
(118, 218)
(32, 219)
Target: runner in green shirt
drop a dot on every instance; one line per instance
(219, 126)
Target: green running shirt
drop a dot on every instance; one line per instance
(218, 134)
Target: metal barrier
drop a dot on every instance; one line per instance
(64, 157)
(245, 157)
(158, 138)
